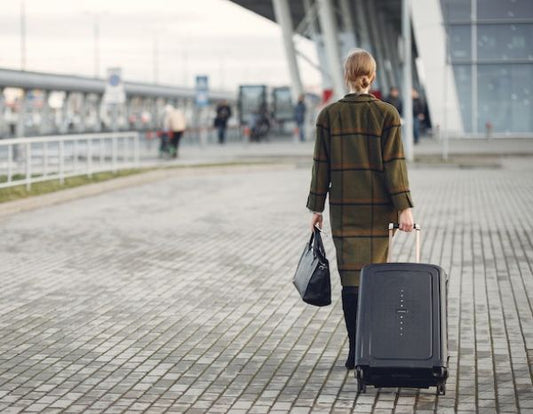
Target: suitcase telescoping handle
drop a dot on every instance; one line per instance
(417, 228)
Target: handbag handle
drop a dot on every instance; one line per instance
(315, 243)
(417, 229)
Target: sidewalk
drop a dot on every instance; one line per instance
(175, 296)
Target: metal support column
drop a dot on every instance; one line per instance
(283, 17)
(391, 37)
(375, 32)
(98, 112)
(387, 51)
(331, 43)
(21, 114)
(83, 112)
(347, 20)
(44, 126)
(407, 80)
(64, 113)
(364, 34)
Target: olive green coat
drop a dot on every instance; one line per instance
(359, 161)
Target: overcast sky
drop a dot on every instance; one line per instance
(214, 37)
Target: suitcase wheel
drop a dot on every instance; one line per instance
(361, 386)
(441, 389)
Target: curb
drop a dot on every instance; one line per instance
(88, 190)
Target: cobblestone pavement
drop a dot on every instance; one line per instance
(176, 296)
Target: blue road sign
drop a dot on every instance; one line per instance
(202, 90)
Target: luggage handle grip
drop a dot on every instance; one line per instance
(417, 229)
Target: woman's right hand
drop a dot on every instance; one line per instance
(316, 220)
(406, 220)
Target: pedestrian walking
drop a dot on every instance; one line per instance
(418, 114)
(221, 120)
(394, 99)
(299, 117)
(359, 161)
(174, 125)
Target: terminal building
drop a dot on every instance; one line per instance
(472, 60)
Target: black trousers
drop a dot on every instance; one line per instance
(175, 140)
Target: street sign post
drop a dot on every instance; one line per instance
(114, 94)
(202, 101)
(202, 91)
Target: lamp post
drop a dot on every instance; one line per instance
(96, 39)
(22, 35)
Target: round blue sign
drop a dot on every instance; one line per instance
(114, 79)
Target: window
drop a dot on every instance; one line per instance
(460, 43)
(456, 10)
(504, 9)
(505, 97)
(505, 41)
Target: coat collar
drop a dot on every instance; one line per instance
(354, 97)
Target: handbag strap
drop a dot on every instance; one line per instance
(318, 246)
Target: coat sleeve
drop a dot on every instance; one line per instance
(394, 163)
(320, 178)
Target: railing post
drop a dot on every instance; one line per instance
(137, 150)
(61, 162)
(114, 153)
(102, 152)
(89, 157)
(75, 154)
(45, 159)
(9, 162)
(28, 166)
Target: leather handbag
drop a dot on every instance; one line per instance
(312, 279)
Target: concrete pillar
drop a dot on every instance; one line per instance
(44, 127)
(391, 37)
(364, 34)
(387, 50)
(21, 115)
(407, 103)
(98, 111)
(326, 15)
(83, 113)
(375, 33)
(347, 20)
(283, 17)
(64, 113)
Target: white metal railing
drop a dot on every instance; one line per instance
(36, 159)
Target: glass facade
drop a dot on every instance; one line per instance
(490, 45)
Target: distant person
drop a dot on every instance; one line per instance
(260, 123)
(394, 99)
(174, 124)
(418, 114)
(299, 117)
(221, 120)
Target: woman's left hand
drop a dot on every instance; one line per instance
(316, 220)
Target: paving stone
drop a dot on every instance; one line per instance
(176, 295)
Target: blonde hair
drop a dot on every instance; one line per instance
(359, 69)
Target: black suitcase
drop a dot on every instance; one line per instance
(401, 338)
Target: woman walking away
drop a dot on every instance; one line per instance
(175, 125)
(359, 161)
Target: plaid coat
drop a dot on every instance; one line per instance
(359, 161)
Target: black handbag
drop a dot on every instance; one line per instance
(312, 278)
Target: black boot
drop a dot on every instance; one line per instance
(349, 306)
